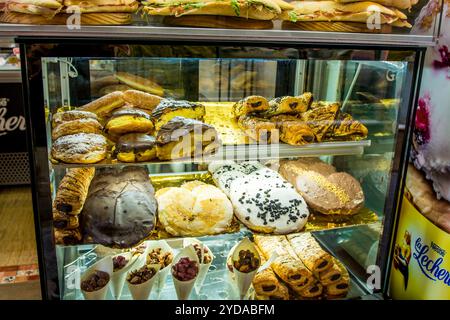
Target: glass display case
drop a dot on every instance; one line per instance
(258, 153)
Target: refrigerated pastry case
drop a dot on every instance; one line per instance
(359, 109)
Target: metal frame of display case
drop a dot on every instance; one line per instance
(80, 47)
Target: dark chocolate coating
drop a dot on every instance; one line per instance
(134, 142)
(179, 127)
(120, 208)
(130, 112)
(168, 105)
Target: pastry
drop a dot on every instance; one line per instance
(128, 120)
(310, 252)
(63, 220)
(67, 237)
(281, 293)
(72, 191)
(312, 291)
(141, 99)
(259, 129)
(324, 190)
(168, 109)
(140, 83)
(345, 128)
(334, 274)
(321, 119)
(287, 266)
(61, 19)
(87, 125)
(264, 202)
(103, 5)
(340, 288)
(105, 105)
(184, 138)
(135, 147)
(288, 105)
(80, 148)
(265, 282)
(186, 211)
(71, 115)
(111, 88)
(120, 208)
(293, 131)
(250, 105)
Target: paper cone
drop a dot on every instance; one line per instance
(244, 280)
(203, 269)
(184, 288)
(162, 273)
(119, 277)
(142, 291)
(104, 265)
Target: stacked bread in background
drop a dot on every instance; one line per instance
(69, 12)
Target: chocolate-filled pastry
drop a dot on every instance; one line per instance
(66, 128)
(310, 252)
(80, 148)
(333, 274)
(288, 105)
(72, 191)
(71, 115)
(63, 220)
(135, 147)
(129, 120)
(184, 138)
(265, 282)
(120, 208)
(287, 266)
(320, 119)
(168, 109)
(311, 291)
(105, 105)
(281, 293)
(259, 129)
(67, 237)
(250, 104)
(345, 128)
(140, 99)
(293, 131)
(338, 289)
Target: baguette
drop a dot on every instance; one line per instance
(400, 4)
(213, 21)
(256, 9)
(61, 19)
(97, 2)
(333, 11)
(31, 9)
(87, 7)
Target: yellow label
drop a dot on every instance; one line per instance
(421, 263)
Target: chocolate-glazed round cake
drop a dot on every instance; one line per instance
(120, 209)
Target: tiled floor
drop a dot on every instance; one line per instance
(15, 274)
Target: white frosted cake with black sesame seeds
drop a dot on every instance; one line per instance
(269, 205)
(213, 166)
(251, 166)
(226, 174)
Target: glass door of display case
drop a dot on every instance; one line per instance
(307, 154)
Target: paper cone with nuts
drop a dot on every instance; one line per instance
(205, 258)
(140, 281)
(246, 261)
(94, 282)
(185, 270)
(159, 252)
(122, 262)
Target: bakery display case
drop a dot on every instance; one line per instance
(186, 170)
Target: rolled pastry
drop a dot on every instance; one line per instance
(345, 128)
(67, 237)
(310, 252)
(312, 291)
(63, 220)
(288, 105)
(258, 129)
(293, 130)
(320, 119)
(249, 105)
(105, 105)
(265, 282)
